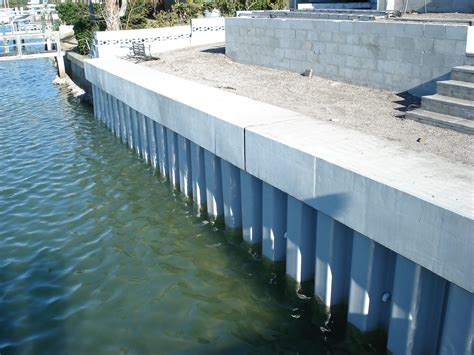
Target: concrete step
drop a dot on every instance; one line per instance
(455, 88)
(449, 106)
(469, 59)
(463, 73)
(444, 121)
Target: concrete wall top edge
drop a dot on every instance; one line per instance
(230, 107)
(422, 209)
(423, 175)
(287, 22)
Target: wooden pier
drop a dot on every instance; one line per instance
(33, 45)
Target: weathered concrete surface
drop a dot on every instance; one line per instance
(409, 202)
(211, 118)
(433, 6)
(376, 112)
(74, 65)
(417, 205)
(382, 54)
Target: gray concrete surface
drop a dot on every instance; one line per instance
(414, 204)
(375, 112)
(381, 54)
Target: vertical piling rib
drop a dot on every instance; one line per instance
(153, 151)
(128, 122)
(300, 241)
(333, 261)
(214, 197)
(143, 137)
(173, 160)
(417, 306)
(251, 194)
(123, 126)
(458, 328)
(136, 132)
(185, 176)
(231, 195)
(198, 175)
(372, 268)
(274, 207)
(162, 148)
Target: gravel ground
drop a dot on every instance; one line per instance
(376, 112)
(440, 16)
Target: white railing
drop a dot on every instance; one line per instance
(157, 40)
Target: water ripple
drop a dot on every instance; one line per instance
(98, 255)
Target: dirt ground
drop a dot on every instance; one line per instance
(376, 112)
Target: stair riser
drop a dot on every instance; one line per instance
(469, 60)
(447, 108)
(437, 123)
(462, 76)
(456, 91)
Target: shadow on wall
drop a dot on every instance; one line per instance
(429, 87)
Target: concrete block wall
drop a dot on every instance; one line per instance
(381, 54)
(158, 40)
(392, 241)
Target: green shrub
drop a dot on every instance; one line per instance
(187, 10)
(84, 32)
(166, 19)
(71, 12)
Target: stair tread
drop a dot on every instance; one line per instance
(465, 68)
(450, 100)
(451, 122)
(467, 84)
(442, 117)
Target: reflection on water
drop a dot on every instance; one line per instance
(97, 255)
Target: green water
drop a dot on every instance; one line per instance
(99, 256)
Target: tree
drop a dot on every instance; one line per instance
(113, 11)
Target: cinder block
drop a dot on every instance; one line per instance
(346, 26)
(456, 32)
(403, 69)
(461, 48)
(434, 31)
(331, 25)
(412, 57)
(353, 39)
(331, 71)
(332, 47)
(346, 72)
(368, 40)
(304, 24)
(384, 41)
(339, 37)
(290, 54)
(413, 29)
(325, 36)
(345, 49)
(451, 61)
(444, 46)
(395, 29)
(285, 33)
(318, 24)
(424, 44)
(301, 35)
(405, 43)
(369, 63)
(339, 60)
(296, 44)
